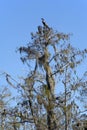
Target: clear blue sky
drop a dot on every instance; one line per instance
(20, 17)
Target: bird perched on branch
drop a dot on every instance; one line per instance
(40, 29)
(44, 23)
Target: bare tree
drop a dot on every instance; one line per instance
(48, 93)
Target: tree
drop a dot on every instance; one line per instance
(48, 93)
(8, 114)
(4, 100)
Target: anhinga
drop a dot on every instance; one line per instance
(44, 23)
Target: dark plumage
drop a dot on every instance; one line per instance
(40, 29)
(44, 23)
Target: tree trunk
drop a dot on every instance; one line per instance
(50, 86)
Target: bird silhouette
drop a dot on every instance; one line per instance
(44, 23)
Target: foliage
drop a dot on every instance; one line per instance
(50, 92)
